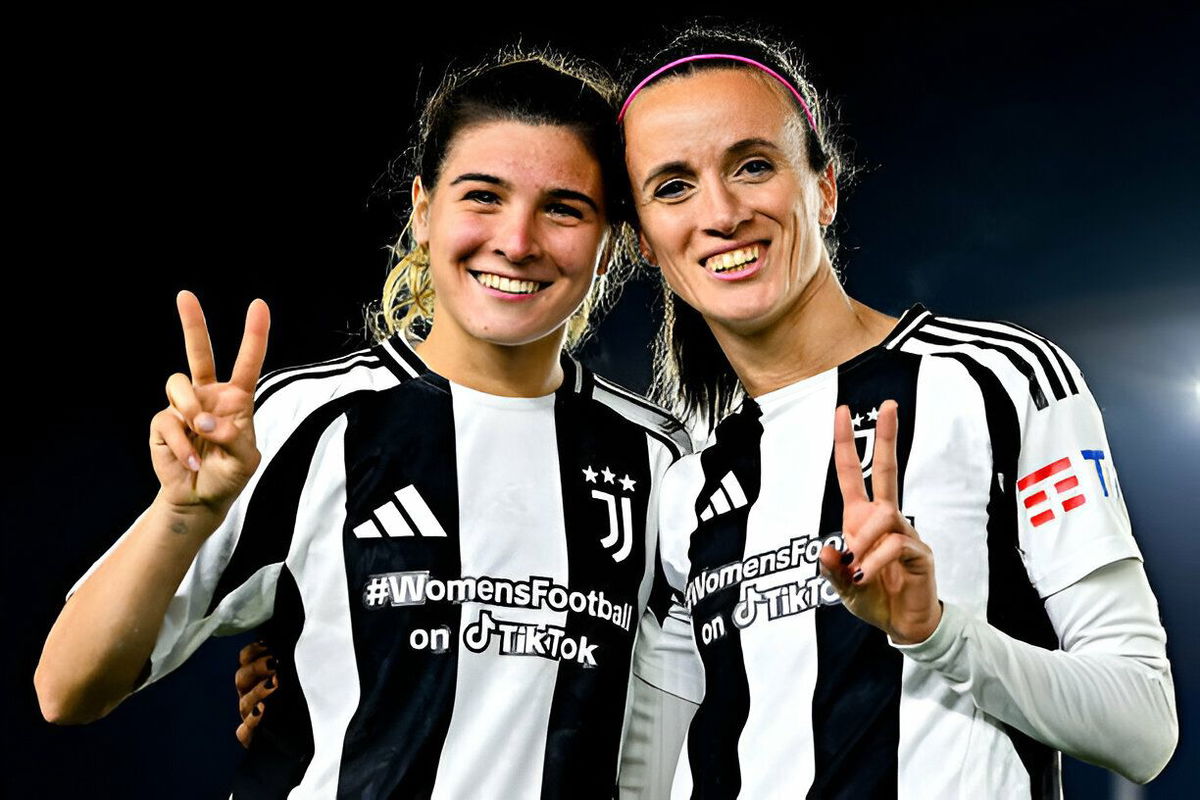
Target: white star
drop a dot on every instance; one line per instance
(590, 474)
(873, 414)
(858, 418)
(608, 475)
(627, 483)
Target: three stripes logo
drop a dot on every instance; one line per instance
(727, 497)
(408, 516)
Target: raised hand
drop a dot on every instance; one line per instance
(202, 444)
(885, 574)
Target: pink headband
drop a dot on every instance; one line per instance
(799, 98)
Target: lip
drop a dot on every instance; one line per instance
(748, 270)
(703, 260)
(507, 296)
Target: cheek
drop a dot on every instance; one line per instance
(456, 236)
(575, 249)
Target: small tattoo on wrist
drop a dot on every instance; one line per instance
(179, 527)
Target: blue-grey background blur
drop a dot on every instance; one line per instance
(1037, 165)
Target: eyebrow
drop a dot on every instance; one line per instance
(561, 194)
(736, 148)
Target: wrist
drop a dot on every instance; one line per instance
(187, 519)
(920, 632)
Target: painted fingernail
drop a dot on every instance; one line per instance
(193, 463)
(272, 664)
(258, 709)
(857, 576)
(270, 683)
(206, 423)
(847, 557)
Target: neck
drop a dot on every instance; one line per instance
(824, 328)
(526, 370)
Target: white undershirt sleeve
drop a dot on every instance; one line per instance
(654, 736)
(1107, 697)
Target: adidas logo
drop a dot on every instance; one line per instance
(411, 518)
(728, 496)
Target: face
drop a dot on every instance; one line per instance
(515, 228)
(728, 206)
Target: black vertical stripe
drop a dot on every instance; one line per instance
(717, 725)
(283, 741)
(1013, 604)
(587, 708)
(404, 436)
(856, 700)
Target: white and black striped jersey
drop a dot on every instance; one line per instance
(1006, 471)
(452, 581)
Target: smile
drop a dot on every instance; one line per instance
(508, 285)
(734, 261)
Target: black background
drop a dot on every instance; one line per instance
(1037, 165)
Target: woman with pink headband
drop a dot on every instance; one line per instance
(827, 657)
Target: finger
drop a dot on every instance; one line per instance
(845, 458)
(245, 731)
(895, 547)
(253, 698)
(251, 652)
(167, 430)
(833, 568)
(883, 463)
(254, 347)
(884, 520)
(182, 396)
(195, 339)
(249, 675)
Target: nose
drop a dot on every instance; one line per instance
(724, 210)
(516, 240)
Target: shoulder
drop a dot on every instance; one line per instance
(632, 408)
(998, 356)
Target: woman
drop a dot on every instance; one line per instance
(910, 685)
(448, 545)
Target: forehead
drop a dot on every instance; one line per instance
(523, 153)
(705, 112)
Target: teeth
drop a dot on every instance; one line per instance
(509, 285)
(734, 258)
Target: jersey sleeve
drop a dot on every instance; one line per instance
(665, 655)
(230, 586)
(1071, 516)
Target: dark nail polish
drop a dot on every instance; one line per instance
(270, 683)
(256, 711)
(272, 664)
(858, 576)
(847, 557)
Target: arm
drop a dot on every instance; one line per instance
(1111, 676)
(654, 737)
(203, 451)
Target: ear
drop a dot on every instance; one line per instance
(420, 212)
(646, 251)
(827, 183)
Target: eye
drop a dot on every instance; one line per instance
(482, 196)
(756, 168)
(672, 189)
(563, 210)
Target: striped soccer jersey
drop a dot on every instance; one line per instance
(452, 580)
(1004, 468)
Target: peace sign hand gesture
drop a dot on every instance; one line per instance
(885, 575)
(202, 444)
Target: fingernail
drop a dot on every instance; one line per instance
(272, 664)
(857, 576)
(847, 557)
(271, 683)
(193, 463)
(257, 709)
(206, 423)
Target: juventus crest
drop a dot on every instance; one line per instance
(618, 501)
(864, 438)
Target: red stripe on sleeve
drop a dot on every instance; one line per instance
(1044, 472)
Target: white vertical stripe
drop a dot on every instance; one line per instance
(508, 488)
(392, 520)
(735, 490)
(780, 655)
(418, 511)
(325, 663)
(947, 484)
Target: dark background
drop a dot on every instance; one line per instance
(1038, 166)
